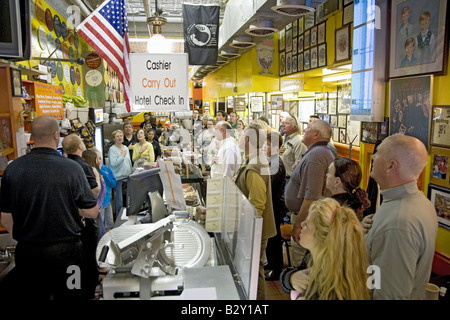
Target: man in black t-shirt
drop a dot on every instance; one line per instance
(42, 199)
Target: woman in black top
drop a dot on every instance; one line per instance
(156, 146)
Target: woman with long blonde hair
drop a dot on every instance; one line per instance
(337, 270)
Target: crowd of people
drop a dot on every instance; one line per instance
(283, 172)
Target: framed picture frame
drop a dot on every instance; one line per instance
(300, 62)
(309, 20)
(289, 40)
(343, 44)
(257, 103)
(301, 25)
(342, 121)
(440, 198)
(333, 120)
(294, 28)
(383, 131)
(322, 106)
(353, 132)
(410, 106)
(294, 45)
(307, 39)
(282, 63)
(16, 82)
(294, 63)
(347, 15)
(314, 58)
(322, 48)
(440, 126)
(335, 134)
(332, 102)
(369, 132)
(314, 36)
(307, 60)
(282, 40)
(288, 63)
(439, 167)
(419, 42)
(319, 13)
(300, 44)
(344, 99)
(343, 135)
(321, 32)
(276, 102)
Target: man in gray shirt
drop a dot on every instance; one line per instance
(307, 182)
(402, 237)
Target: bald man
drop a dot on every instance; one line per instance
(403, 233)
(42, 199)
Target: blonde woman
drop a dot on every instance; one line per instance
(143, 148)
(337, 270)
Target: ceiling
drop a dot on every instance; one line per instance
(235, 20)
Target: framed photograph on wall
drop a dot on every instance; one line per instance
(322, 106)
(309, 20)
(282, 41)
(307, 39)
(322, 55)
(294, 45)
(344, 98)
(314, 36)
(301, 25)
(294, 63)
(418, 41)
(343, 44)
(300, 44)
(300, 62)
(440, 126)
(282, 64)
(335, 134)
(307, 60)
(342, 121)
(289, 40)
(277, 102)
(256, 103)
(347, 15)
(288, 63)
(294, 29)
(440, 198)
(333, 120)
(342, 135)
(332, 102)
(369, 132)
(410, 106)
(439, 166)
(16, 82)
(314, 57)
(321, 32)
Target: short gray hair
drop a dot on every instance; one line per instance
(323, 127)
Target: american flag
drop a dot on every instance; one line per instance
(106, 31)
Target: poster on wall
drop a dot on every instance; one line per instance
(410, 106)
(49, 100)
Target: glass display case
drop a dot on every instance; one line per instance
(237, 231)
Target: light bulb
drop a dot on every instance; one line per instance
(158, 44)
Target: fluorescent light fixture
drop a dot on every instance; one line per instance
(337, 78)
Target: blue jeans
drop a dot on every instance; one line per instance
(107, 216)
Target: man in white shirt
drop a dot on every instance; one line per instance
(227, 160)
(293, 148)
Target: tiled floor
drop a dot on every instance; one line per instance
(273, 288)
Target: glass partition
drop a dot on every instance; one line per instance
(237, 228)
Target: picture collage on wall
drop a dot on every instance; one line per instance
(302, 45)
(326, 108)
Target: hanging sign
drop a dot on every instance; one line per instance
(159, 82)
(49, 100)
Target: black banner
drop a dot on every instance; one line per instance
(201, 33)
